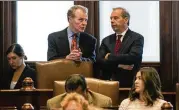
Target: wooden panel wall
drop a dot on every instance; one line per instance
(169, 44)
(169, 37)
(7, 30)
(175, 33)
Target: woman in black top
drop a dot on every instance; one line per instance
(19, 70)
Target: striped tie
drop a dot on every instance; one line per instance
(118, 44)
(74, 43)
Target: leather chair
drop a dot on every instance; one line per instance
(48, 72)
(108, 88)
(177, 96)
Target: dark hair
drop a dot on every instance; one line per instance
(124, 14)
(152, 89)
(74, 81)
(17, 49)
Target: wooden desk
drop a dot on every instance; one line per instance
(110, 108)
(38, 98)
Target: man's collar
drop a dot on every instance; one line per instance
(89, 98)
(123, 33)
(71, 33)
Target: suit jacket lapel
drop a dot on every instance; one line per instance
(126, 40)
(63, 40)
(90, 97)
(81, 41)
(112, 42)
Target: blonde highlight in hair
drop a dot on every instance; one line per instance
(79, 99)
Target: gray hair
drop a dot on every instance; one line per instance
(125, 13)
(71, 11)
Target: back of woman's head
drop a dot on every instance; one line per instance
(17, 49)
(152, 86)
(75, 101)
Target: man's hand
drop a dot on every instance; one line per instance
(126, 67)
(74, 55)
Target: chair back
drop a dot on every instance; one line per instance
(107, 88)
(48, 72)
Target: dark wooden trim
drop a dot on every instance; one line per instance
(166, 47)
(177, 96)
(1, 38)
(175, 34)
(38, 98)
(8, 30)
(169, 44)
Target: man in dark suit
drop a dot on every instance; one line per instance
(120, 54)
(60, 43)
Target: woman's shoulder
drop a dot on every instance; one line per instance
(29, 69)
(125, 102)
(29, 72)
(158, 103)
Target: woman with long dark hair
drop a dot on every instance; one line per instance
(19, 70)
(145, 93)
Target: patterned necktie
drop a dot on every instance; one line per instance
(118, 44)
(74, 43)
